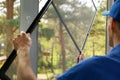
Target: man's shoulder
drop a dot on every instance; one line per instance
(89, 64)
(95, 59)
(82, 69)
(90, 67)
(97, 62)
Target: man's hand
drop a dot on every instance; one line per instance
(22, 44)
(80, 57)
(22, 40)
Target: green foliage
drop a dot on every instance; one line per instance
(96, 42)
(47, 33)
(77, 16)
(13, 22)
(7, 30)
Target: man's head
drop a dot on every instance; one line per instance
(113, 23)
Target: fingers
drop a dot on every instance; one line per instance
(80, 57)
(22, 40)
(25, 34)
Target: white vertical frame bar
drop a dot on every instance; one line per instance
(29, 10)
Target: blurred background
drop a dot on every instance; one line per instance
(56, 51)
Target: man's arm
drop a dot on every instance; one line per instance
(22, 44)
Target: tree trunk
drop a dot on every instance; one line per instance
(62, 47)
(93, 47)
(10, 35)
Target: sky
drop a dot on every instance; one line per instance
(89, 3)
(42, 2)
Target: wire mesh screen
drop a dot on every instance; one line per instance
(77, 14)
(57, 50)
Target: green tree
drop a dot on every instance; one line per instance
(75, 15)
(96, 41)
(9, 20)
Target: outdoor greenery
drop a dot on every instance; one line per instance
(56, 51)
